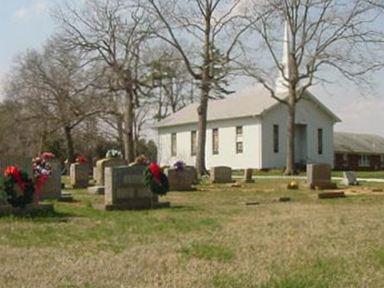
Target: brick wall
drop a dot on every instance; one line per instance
(352, 162)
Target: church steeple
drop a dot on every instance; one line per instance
(281, 83)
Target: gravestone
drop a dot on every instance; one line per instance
(104, 163)
(79, 175)
(221, 174)
(52, 187)
(248, 175)
(193, 172)
(181, 180)
(331, 195)
(23, 163)
(349, 178)
(94, 172)
(99, 173)
(319, 176)
(125, 189)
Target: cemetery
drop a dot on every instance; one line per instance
(259, 224)
(165, 143)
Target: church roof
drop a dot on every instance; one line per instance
(358, 143)
(250, 102)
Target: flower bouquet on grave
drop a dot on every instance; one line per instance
(179, 165)
(81, 159)
(113, 153)
(155, 180)
(18, 187)
(41, 172)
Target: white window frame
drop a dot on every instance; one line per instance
(215, 151)
(364, 160)
(173, 144)
(239, 139)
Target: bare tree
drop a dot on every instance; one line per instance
(213, 28)
(169, 82)
(319, 34)
(55, 89)
(112, 32)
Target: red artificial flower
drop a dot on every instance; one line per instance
(156, 171)
(81, 159)
(15, 173)
(47, 155)
(10, 171)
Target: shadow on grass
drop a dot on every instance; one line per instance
(41, 216)
(182, 208)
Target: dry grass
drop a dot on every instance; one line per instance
(208, 238)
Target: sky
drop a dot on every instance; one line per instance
(26, 24)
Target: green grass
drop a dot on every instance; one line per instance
(362, 174)
(208, 238)
(208, 251)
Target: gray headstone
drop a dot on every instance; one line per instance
(181, 180)
(52, 188)
(248, 175)
(104, 163)
(319, 176)
(125, 190)
(94, 172)
(221, 174)
(79, 175)
(349, 178)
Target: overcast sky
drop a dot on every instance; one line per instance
(26, 24)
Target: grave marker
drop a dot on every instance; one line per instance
(181, 180)
(349, 179)
(248, 175)
(52, 188)
(79, 175)
(319, 176)
(221, 174)
(125, 190)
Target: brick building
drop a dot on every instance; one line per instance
(358, 151)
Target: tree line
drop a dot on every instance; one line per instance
(115, 66)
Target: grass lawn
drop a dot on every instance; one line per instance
(208, 238)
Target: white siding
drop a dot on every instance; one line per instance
(250, 158)
(307, 113)
(256, 154)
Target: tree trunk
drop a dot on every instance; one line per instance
(120, 131)
(290, 169)
(128, 126)
(70, 149)
(203, 107)
(202, 133)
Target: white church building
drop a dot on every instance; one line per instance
(249, 130)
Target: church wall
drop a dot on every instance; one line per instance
(307, 114)
(227, 156)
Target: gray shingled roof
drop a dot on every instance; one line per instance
(358, 143)
(252, 101)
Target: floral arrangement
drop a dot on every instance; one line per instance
(81, 159)
(41, 172)
(47, 155)
(179, 165)
(18, 187)
(41, 167)
(113, 153)
(155, 180)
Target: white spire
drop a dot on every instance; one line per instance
(281, 83)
